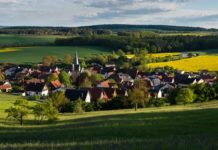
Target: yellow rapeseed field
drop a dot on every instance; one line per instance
(8, 50)
(208, 62)
(164, 54)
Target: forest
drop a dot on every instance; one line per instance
(151, 42)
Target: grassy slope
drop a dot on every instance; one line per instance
(175, 127)
(35, 54)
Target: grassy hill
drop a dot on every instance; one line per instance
(147, 27)
(35, 54)
(174, 127)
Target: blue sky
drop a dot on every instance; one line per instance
(202, 13)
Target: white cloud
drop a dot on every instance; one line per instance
(86, 12)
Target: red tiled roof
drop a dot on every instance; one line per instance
(56, 83)
(4, 87)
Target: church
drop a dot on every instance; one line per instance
(76, 66)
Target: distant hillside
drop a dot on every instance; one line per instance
(113, 27)
(147, 27)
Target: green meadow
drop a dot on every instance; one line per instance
(191, 127)
(23, 40)
(35, 54)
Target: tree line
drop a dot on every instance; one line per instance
(68, 31)
(151, 42)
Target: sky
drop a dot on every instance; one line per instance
(200, 13)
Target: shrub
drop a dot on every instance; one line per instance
(185, 96)
(157, 102)
(78, 106)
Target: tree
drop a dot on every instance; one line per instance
(68, 59)
(2, 77)
(45, 110)
(185, 95)
(51, 112)
(49, 60)
(19, 111)
(101, 59)
(140, 84)
(65, 78)
(78, 106)
(84, 80)
(52, 77)
(39, 111)
(95, 78)
(120, 53)
(59, 100)
(138, 96)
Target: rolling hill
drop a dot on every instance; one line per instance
(191, 126)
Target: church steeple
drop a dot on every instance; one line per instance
(76, 59)
(76, 65)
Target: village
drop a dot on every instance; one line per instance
(113, 81)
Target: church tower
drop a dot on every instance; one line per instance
(76, 65)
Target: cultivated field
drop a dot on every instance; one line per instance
(35, 54)
(208, 62)
(22, 40)
(174, 127)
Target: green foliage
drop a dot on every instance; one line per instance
(78, 106)
(39, 111)
(184, 96)
(19, 111)
(101, 59)
(204, 92)
(119, 52)
(2, 77)
(138, 96)
(96, 78)
(65, 78)
(84, 80)
(50, 112)
(49, 60)
(68, 59)
(88, 107)
(52, 77)
(116, 103)
(157, 102)
(172, 96)
(59, 100)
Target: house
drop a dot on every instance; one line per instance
(122, 92)
(95, 68)
(39, 89)
(108, 71)
(110, 92)
(5, 87)
(97, 94)
(208, 78)
(12, 71)
(161, 91)
(106, 84)
(74, 94)
(56, 86)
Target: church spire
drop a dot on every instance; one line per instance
(76, 65)
(76, 59)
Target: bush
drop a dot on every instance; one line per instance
(157, 102)
(88, 107)
(185, 96)
(78, 106)
(115, 103)
(68, 108)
